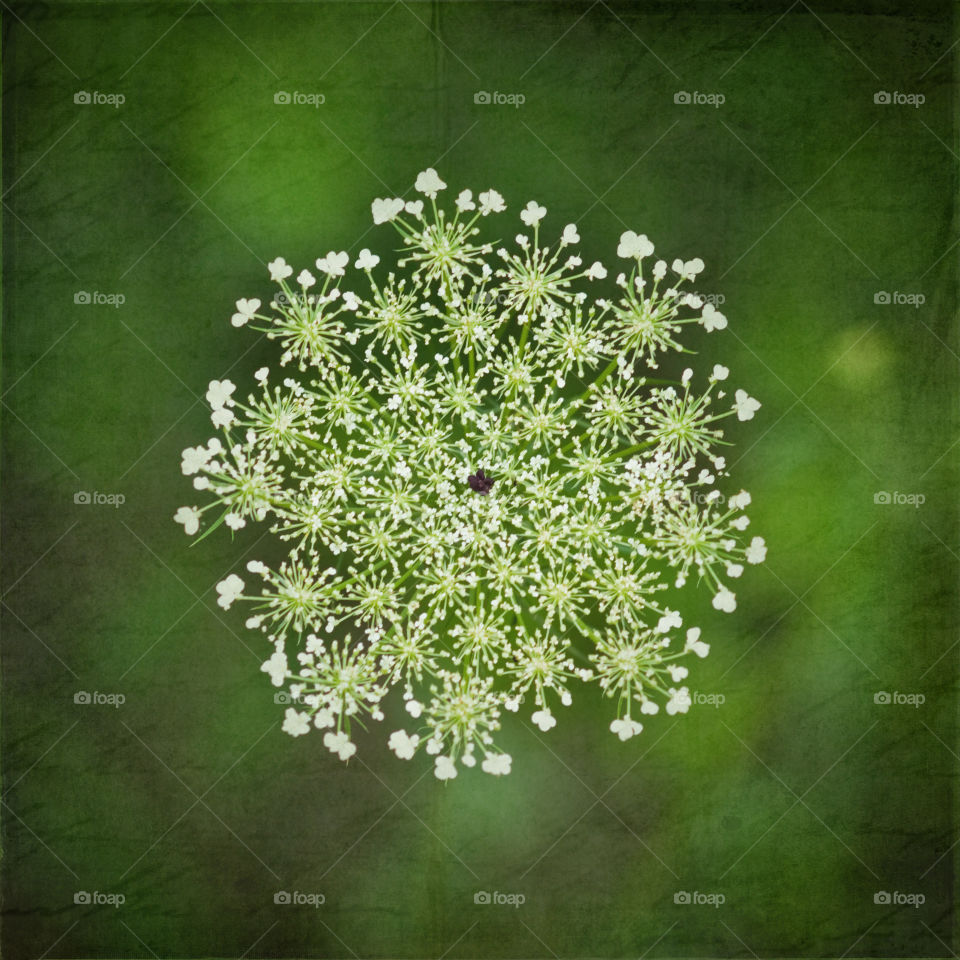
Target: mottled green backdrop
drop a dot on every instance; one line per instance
(825, 817)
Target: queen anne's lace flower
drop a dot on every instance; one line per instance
(296, 723)
(189, 517)
(634, 246)
(403, 744)
(219, 393)
(279, 269)
(245, 311)
(485, 498)
(429, 183)
(626, 728)
(533, 213)
(229, 590)
(745, 405)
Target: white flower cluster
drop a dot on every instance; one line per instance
(486, 484)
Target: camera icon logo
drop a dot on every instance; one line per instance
(882, 496)
(681, 96)
(881, 96)
(81, 696)
(881, 297)
(82, 297)
(81, 897)
(481, 896)
(282, 699)
(81, 96)
(882, 697)
(281, 96)
(81, 496)
(281, 896)
(881, 897)
(481, 96)
(681, 896)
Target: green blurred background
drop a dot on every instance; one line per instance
(800, 798)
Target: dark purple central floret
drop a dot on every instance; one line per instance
(480, 482)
